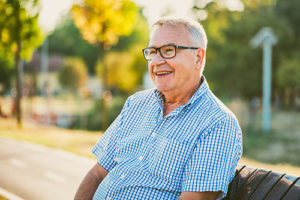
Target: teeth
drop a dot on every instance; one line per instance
(161, 73)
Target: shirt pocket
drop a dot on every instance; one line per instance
(168, 159)
(129, 147)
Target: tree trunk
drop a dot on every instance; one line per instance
(18, 67)
(18, 88)
(104, 108)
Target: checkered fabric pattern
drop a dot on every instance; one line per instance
(196, 147)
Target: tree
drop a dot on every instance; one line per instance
(19, 35)
(73, 74)
(234, 67)
(139, 35)
(66, 40)
(125, 70)
(287, 75)
(125, 62)
(288, 78)
(102, 23)
(6, 70)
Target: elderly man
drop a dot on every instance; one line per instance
(177, 141)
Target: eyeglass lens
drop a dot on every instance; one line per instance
(165, 52)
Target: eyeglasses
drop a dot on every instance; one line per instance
(165, 51)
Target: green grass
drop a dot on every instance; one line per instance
(281, 145)
(76, 141)
(276, 151)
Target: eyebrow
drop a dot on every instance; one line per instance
(163, 45)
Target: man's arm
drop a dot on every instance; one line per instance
(91, 182)
(199, 196)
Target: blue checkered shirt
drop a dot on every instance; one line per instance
(196, 147)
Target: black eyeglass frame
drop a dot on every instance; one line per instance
(159, 48)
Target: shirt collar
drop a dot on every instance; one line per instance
(197, 95)
(201, 90)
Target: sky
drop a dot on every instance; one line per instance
(52, 10)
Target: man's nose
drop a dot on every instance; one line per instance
(157, 59)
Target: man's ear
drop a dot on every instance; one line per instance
(200, 57)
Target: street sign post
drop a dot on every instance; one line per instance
(267, 39)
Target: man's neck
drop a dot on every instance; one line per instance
(174, 101)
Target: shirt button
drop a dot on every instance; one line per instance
(122, 176)
(141, 158)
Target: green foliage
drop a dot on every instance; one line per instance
(114, 108)
(19, 36)
(125, 62)
(289, 9)
(104, 21)
(124, 69)
(66, 40)
(139, 35)
(233, 67)
(288, 74)
(19, 23)
(6, 70)
(73, 74)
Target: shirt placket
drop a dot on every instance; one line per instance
(155, 133)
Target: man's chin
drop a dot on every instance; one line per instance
(163, 89)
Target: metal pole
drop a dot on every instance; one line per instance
(44, 66)
(266, 37)
(44, 77)
(267, 75)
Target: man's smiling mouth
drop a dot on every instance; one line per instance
(163, 73)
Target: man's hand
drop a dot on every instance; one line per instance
(90, 183)
(199, 196)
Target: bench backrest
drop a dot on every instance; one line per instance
(255, 184)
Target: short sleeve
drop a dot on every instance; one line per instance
(105, 148)
(215, 157)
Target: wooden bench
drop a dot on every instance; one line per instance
(260, 184)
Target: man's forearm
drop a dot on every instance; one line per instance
(199, 196)
(90, 183)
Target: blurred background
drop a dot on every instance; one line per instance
(67, 67)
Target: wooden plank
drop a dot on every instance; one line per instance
(279, 190)
(242, 178)
(257, 184)
(233, 186)
(266, 185)
(252, 183)
(294, 191)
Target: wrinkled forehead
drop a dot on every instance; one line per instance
(169, 34)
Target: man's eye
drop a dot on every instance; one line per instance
(168, 50)
(151, 52)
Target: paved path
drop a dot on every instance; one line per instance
(36, 172)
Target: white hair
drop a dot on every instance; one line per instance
(197, 33)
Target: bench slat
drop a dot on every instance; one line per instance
(280, 188)
(234, 183)
(244, 175)
(239, 181)
(259, 184)
(252, 183)
(294, 192)
(266, 185)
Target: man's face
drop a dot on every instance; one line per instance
(180, 74)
